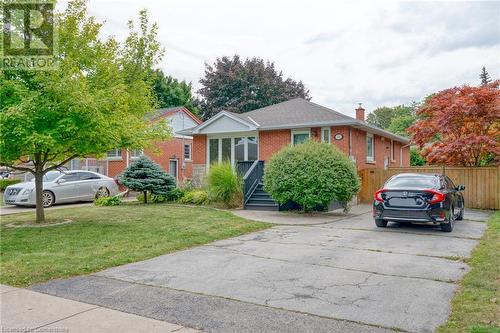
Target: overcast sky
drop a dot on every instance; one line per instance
(378, 53)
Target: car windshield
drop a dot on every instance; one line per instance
(413, 181)
(51, 176)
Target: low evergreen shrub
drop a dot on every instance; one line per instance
(147, 177)
(108, 201)
(196, 197)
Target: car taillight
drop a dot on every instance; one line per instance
(378, 195)
(436, 196)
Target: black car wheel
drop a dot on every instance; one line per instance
(448, 226)
(381, 223)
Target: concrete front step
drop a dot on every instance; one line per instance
(271, 207)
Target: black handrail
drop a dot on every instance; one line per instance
(251, 179)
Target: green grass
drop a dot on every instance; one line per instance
(476, 306)
(102, 237)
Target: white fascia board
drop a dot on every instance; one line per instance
(197, 129)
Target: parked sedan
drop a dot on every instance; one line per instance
(62, 187)
(411, 197)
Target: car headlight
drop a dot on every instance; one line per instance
(27, 191)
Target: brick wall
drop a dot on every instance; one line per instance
(270, 142)
(406, 156)
(199, 160)
(171, 149)
(316, 134)
(342, 144)
(199, 149)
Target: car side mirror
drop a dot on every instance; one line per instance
(62, 180)
(460, 187)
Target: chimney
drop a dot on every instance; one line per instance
(360, 113)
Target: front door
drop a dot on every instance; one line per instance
(172, 169)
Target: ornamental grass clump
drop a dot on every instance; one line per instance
(224, 185)
(312, 175)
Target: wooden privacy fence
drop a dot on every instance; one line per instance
(482, 184)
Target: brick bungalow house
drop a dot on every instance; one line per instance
(176, 153)
(258, 134)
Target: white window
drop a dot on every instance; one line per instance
(232, 149)
(136, 153)
(187, 151)
(114, 154)
(325, 134)
(301, 136)
(370, 148)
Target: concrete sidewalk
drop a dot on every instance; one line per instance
(25, 310)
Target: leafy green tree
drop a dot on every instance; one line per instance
(240, 86)
(96, 100)
(381, 117)
(485, 77)
(416, 159)
(172, 92)
(394, 119)
(401, 123)
(146, 176)
(311, 174)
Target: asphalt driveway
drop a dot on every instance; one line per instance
(343, 276)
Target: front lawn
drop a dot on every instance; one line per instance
(476, 306)
(102, 237)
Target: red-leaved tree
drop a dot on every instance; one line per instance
(460, 126)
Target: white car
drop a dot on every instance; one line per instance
(62, 187)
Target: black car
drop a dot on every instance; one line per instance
(412, 197)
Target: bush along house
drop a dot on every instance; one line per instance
(253, 136)
(175, 155)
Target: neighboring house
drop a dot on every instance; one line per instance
(258, 134)
(175, 156)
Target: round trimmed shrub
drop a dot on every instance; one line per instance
(311, 174)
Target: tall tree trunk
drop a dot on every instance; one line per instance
(145, 197)
(40, 214)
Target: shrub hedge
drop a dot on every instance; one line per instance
(108, 201)
(311, 174)
(196, 197)
(6, 182)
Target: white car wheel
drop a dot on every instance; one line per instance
(47, 199)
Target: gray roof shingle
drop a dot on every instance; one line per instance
(298, 112)
(295, 111)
